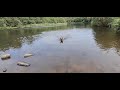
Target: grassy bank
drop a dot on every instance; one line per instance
(110, 22)
(7, 28)
(45, 25)
(20, 22)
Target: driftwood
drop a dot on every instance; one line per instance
(27, 55)
(23, 64)
(5, 56)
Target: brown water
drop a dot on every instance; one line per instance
(85, 50)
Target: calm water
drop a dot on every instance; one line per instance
(85, 50)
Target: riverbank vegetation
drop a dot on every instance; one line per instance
(111, 22)
(16, 22)
(6, 22)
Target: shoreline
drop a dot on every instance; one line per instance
(45, 25)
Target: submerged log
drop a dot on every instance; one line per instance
(5, 56)
(23, 64)
(27, 55)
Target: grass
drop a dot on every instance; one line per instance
(3, 28)
(43, 25)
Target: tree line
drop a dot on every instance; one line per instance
(112, 22)
(20, 21)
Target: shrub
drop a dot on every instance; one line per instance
(101, 21)
(116, 24)
(2, 23)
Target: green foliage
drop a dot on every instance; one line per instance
(19, 21)
(94, 21)
(2, 23)
(116, 24)
(101, 21)
(79, 20)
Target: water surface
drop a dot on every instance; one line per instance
(85, 50)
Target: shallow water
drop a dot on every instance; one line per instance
(84, 50)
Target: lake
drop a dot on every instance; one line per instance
(84, 50)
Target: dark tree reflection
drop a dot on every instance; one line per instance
(107, 38)
(15, 38)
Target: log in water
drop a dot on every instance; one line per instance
(27, 55)
(23, 64)
(5, 56)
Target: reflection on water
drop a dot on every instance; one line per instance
(85, 49)
(68, 67)
(15, 38)
(107, 39)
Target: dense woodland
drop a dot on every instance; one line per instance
(111, 22)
